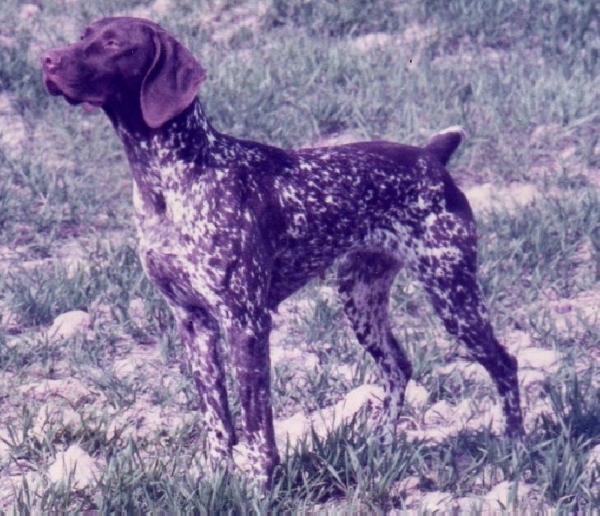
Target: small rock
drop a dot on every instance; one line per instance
(323, 421)
(477, 505)
(69, 324)
(145, 423)
(568, 152)
(416, 33)
(162, 7)
(545, 134)
(13, 132)
(142, 361)
(10, 484)
(431, 435)
(517, 340)
(56, 417)
(539, 358)
(487, 197)
(529, 377)
(439, 413)
(4, 447)
(347, 372)
(405, 485)
(10, 321)
(470, 371)
(539, 408)
(506, 492)
(592, 470)
(291, 429)
(367, 42)
(328, 294)
(28, 12)
(475, 416)
(136, 310)
(593, 460)
(416, 395)
(293, 357)
(101, 311)
(437, 501)
(70, 389)
(76, 462)
(7, 41)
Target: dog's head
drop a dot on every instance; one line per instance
(120, 61)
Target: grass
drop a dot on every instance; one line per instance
(521, 77)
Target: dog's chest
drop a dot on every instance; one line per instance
(178, 242)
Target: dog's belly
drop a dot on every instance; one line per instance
(302, 260)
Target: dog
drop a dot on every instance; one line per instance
(229, 228)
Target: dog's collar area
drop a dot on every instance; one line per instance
(188, 138)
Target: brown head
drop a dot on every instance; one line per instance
(128, 66)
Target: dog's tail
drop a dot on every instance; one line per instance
(443, 144)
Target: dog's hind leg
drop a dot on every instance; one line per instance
(447, 267)
(364, 282)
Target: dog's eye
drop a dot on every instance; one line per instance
(111, 43)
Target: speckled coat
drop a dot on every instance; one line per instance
(229, 228)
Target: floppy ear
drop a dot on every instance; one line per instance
(171, 83)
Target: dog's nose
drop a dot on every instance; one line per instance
(51, 60)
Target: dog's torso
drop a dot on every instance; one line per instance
(297, 211)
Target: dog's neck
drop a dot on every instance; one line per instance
(186, 139)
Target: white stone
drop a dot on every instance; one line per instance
(367, 42)
(501, 493)
(539, 358)
(593, 460)
(10, 484)
(7, 42)
(437, 501)
(439, 413)
(432, 435)
(592, 467)
(28, 11)
(517, 340)
(4, 447)
(323, 421)
(416, 395)
(487, 197)
(69, 324)
(162, 7)
(540, 407)
(56, 418)
(70, 389)
(13, 132)
(406, 485)
(572, 315)
(293, 357)
(76, 462)
(481, 415)
(146, 422)
(528, 377)
(136, 310)
(141, 361)
(471, 371)
(473, 504)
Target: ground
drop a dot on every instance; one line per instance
(95, 411)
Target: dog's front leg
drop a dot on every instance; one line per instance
(200, 335)
(256, 454)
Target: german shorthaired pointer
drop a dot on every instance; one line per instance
(230, 228)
